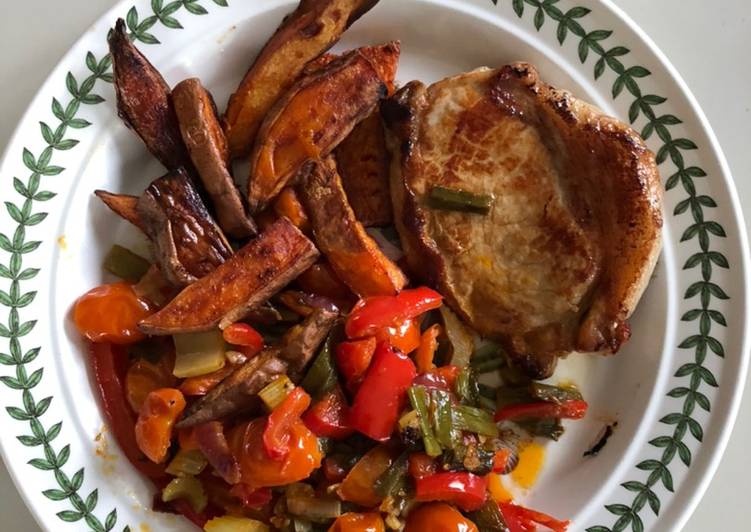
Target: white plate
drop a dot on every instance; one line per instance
(674, 389)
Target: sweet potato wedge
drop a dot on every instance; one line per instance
(204, 138)
(363, 163)
(310, 30)
(123, 205)
(250, 277)
(143, 101)
(187, 242)
(315, 115)
(238, 392)
(352, 253)
(288, 204)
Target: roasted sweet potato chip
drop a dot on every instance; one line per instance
(304, 35)
(204, 138)
(123, 205)
(364, 166)
(352, 253)
(143, 100)
(187, 242)
(362, 158)
(315, 115)
(288, 204)
(250, 277)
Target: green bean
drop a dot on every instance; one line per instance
(459, 200)
(467, 387)
(475, 420)
(442, 419)
(418, 398)
(554, 394)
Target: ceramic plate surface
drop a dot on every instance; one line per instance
(674, 389)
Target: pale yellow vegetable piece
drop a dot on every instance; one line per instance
(198, 353)
(228, 523)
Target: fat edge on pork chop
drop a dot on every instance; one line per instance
(573, 234)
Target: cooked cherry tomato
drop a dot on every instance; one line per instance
(421, 465)
(358, 485)
(110, 313)
(521, 519)
(158, 414)
(405, 335)
(329, 417)
(276, 435)
(356, 522)
(246, 338)
(203, 384)
(144, 377)
(438, 517)
(260, 471)
(566, 410)
(382, 394)
(463, 489)
(120, 418)
(378, 312)
(353, 359)
(427, 349)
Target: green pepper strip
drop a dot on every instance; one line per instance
(125, 264)
(554, 394)
(459, 200)
(394, 478)
(418, 398)
(321, 376)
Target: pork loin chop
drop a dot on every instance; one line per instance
(573, 233)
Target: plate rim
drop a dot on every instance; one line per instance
(742, 266)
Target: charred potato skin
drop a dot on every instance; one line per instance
(343, 93)
(314, 27)
(144, 102)
(188, 243)
(207, 146)
(246, 280)
(123, 205)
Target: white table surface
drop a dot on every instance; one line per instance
(709, 43)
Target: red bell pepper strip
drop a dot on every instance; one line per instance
(442, 378)
(465, 490)
(521, 519)
(329, 417)
(353, 359)
(120, 417)
(382, 393)
(421, 465)
(213, 445)
(377, 312)
(246, 338)
(567, 410)
(404, 335)
(276, 435)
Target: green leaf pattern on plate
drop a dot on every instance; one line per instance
(23, 211)
(592, 43)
